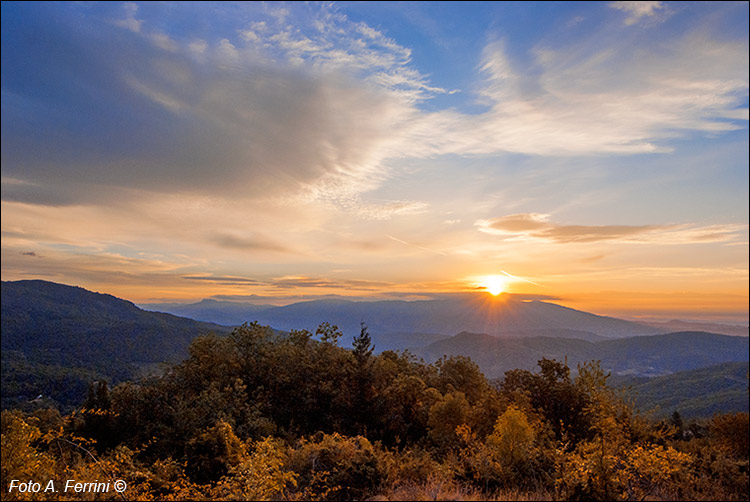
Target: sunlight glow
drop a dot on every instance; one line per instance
(495, 284)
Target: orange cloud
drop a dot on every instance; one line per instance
(538, 226)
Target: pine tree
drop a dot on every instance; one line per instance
(363, 346)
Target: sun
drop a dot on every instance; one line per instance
(494, 284)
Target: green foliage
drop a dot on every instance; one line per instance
(265, 415)
(562, 402)
(697, 393)
(362, 346)
(446, 415)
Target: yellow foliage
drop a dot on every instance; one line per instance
(260, 476)
(20, 458)
(513, 437)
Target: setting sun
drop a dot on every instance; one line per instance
(495, 284)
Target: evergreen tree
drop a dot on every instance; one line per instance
(363, 346)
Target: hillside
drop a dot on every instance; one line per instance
(642, 355)
(699, 393)
(60, 333)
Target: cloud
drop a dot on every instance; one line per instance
(302, 102)
(311, 109)
(516, 223)
(639, 10)
(249, 243)
(623, 98)
(234, 281)
(129, 21)
(294, 282)
(537, 226)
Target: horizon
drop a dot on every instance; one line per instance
(483, 297)
(593, 155)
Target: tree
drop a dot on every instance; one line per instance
(214, 452)
(552, 392)
(363, 389)
(363, 347)
(329, 333)
(513, 437)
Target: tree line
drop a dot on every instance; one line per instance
(265, 415)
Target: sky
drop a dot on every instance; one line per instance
(593, 154)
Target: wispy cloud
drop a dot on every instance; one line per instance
(538, 226)
(621, 99)
(305, 102)
(249, 243)
(241, 281)
(639, 10)
(313, 107)
(299, 282)
(129, 20)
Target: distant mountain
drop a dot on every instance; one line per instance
(696, 393)
(447, 316)
(642, 355)
(220, 312)
(59, 337)
(404, 341)
(672, 352)
(710, 327)
(59, 333)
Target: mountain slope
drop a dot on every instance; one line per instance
(696, 393)
(225, 313)
(63, 324)
(57, 330)
(671, 352)
(642, 355)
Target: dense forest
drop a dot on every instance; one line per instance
(264, 415)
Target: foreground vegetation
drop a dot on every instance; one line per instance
(262, 416)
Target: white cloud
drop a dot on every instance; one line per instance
(639, 10)
(625, 99)
(129, 22)
(322, 107)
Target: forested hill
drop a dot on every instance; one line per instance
(648, 356)
(58, 336)
(702, 392)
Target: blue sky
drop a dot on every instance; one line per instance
(595, 153)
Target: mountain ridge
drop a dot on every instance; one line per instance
(68, 334)
(652, 355)
(444, 316)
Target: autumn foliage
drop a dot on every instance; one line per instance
(259, 415)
